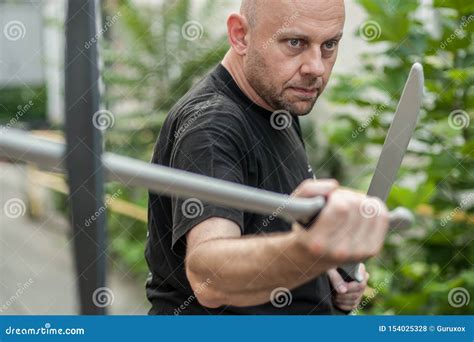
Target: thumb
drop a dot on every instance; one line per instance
(362, 268)
(336, 280)
(363, 271)
(311, 187)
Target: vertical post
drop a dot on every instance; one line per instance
(83, 153)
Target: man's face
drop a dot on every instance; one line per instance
(292, 49)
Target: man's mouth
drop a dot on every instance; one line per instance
(305, 92)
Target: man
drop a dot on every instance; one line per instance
(240, 123)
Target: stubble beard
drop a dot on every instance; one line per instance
(256, 71)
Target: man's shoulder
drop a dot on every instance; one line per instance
(207, 108)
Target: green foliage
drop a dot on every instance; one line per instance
(423, 264)
(149, 65)
(152, 64)
(23, 105)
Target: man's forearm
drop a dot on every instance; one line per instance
(244, 271)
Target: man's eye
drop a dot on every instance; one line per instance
(331, 45)
(295, 43)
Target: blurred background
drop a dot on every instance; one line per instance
(151, 52)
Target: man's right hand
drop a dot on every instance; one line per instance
(244, 271)
(351, 227)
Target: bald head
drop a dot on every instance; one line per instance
(249, 9)
(253, 10)
(287, 48)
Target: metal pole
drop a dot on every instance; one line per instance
(162, 179)
(83, 152)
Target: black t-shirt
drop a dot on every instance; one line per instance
(217, 131)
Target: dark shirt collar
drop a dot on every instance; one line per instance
(223, 74)
(230, 83)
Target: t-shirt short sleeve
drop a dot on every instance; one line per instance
(209, 142)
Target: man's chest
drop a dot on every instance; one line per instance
(280, 162)
(278, 169)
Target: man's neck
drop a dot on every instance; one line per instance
(234, 65)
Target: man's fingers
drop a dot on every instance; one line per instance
(351, 298)
(363, 270)
(336, 280)
(348, 299)
(346, 307)
(355, 286)
(312, 188)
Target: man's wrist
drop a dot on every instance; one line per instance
(300, 238)
(303, 240)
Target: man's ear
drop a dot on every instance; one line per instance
(237, 32)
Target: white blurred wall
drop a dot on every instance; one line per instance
(54, 12)
(20, 44)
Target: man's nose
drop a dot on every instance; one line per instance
(313, 63)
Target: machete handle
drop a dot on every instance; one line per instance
(346, 276)
(399, 218)
(307, 223)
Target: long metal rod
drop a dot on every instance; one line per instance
(83, 162)
(161, 179)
